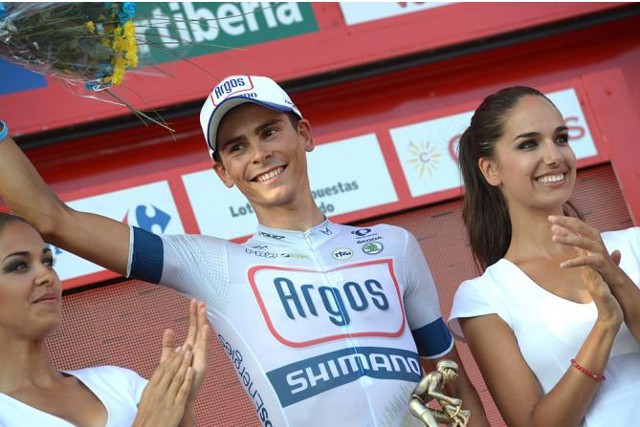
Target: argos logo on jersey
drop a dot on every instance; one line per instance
(304, 306)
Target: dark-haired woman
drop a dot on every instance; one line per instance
(554, 321)
(33, 392)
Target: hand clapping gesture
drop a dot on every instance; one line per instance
(600, 270)
(168, 398)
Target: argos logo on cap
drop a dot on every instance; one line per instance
(305, 306)
(231, 86)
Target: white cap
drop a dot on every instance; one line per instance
(237, 90)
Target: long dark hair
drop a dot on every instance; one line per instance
(485, 211)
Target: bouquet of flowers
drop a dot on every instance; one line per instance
(91, 43)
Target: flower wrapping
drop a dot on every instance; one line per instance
(89, 43)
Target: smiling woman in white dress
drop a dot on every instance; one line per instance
(33, 392)
(554, 321)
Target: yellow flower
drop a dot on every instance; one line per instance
(91, 27)
(125, 52)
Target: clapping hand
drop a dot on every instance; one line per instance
(599, 268)
(197, 340)
(177, 380)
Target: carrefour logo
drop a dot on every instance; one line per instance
(150, 218)
(304, 306)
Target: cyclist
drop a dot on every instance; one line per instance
(322, 327)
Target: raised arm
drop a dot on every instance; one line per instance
(94, 237)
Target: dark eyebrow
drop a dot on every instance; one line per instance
(229, 142)
(266, 124)
(559, 129)
(256, 130)
(19, 253)
(45, 251)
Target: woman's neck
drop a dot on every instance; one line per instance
(24, 363)
(531, 236)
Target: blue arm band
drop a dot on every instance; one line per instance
(4, 132)
(148, 256)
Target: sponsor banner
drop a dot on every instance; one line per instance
(427, 150)
(359, 12)
(350, 175)
(307, 378)
(427, 153)
(186, 47)
(220, 211)
(150, 207)
(345, 176)
(167, 31)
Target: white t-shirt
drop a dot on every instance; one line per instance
(550, 329)
(324, 327)
(118, 389)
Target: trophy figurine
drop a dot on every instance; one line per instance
(430, 388)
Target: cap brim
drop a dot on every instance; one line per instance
(225, 106)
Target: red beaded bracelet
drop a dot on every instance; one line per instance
(587, 372)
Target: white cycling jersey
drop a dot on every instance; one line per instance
(324, 327)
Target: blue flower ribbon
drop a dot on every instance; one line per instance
(127, 12)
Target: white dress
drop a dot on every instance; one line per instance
(550, 329)
(118, 389)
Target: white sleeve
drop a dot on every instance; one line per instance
(628, 243)
(475, 297)
(422, 305)
(420, 296)
(194, 265)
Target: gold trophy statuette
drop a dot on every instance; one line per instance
(430, 388)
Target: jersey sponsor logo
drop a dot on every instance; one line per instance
(367, 240)
(294, 255)
(262, 254)
(304, 306)
(237, 359)
(361, 232)
(372, 248)
(258, 250)
(271, 236)
(307, 378)
(327, 231)
(342, 254)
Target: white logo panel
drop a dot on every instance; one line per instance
(303, 307)
(359, 12)
(350, 175)
(149, 206)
